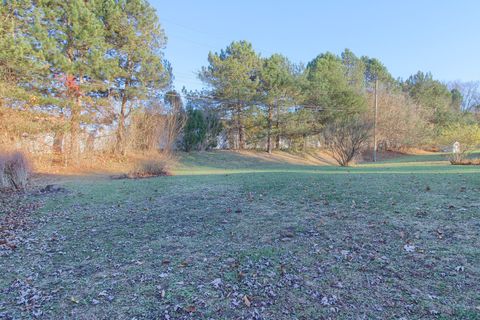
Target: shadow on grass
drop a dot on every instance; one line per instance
(127, 228)
(224, 162)
(441, 156)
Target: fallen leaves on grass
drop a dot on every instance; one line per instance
(14, 218)
(190, 309)
(184, 264)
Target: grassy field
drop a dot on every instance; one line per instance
(235, 237)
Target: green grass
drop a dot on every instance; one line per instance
(301, 242)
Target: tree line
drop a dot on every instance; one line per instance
(72, 68)
(271, 103)
(76, 74)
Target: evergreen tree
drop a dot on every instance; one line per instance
(135, 42)
(20, 64)
(277, 88)
(354, 70)
(432, 95)
(232, 76)
(71, 37)
(375, 70)
(195, 129)
(201, 129)
(329, 92)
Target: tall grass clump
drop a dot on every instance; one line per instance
(14, 171)
(149, 168)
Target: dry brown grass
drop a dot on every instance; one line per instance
(105, 164)
(150, 168)
(466, 162)
(313, 157)
(14, 170)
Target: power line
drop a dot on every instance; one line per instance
(195, 30)
(195, 42)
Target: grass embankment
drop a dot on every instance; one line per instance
(234, 236)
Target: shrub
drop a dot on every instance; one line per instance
(149, 168)
(401, 122)
(14, 171)
(345, 138)
(468, 137)
(465, 161)
(201, 130)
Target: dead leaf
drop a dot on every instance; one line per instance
(190, 309)
(246, 300)
(240, 275)
(439, 234)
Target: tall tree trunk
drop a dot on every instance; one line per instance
(58, 152)
(90, 144)
(277, 129)
(75, 123)
(241, 129)
(75, 130)
(269, 130)
(120, 147)
(241, 137)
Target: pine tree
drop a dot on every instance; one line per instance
(277, 87)
(19, 62)
(233, 78)
(329, 91)
(135, 41)
(354, 70)
(432, 95)
(71, 36)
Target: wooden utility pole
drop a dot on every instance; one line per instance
(375, 124)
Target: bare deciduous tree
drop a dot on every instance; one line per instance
(155, 128)
(401, 123)
(346, 137)
(470, 93)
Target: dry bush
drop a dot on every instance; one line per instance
(463, 161)
(401, 123)
(14, 171)
(149, 168)
(468, 138)
(155, 128)
(345, 138)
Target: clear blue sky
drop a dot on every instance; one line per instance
(442, 37)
